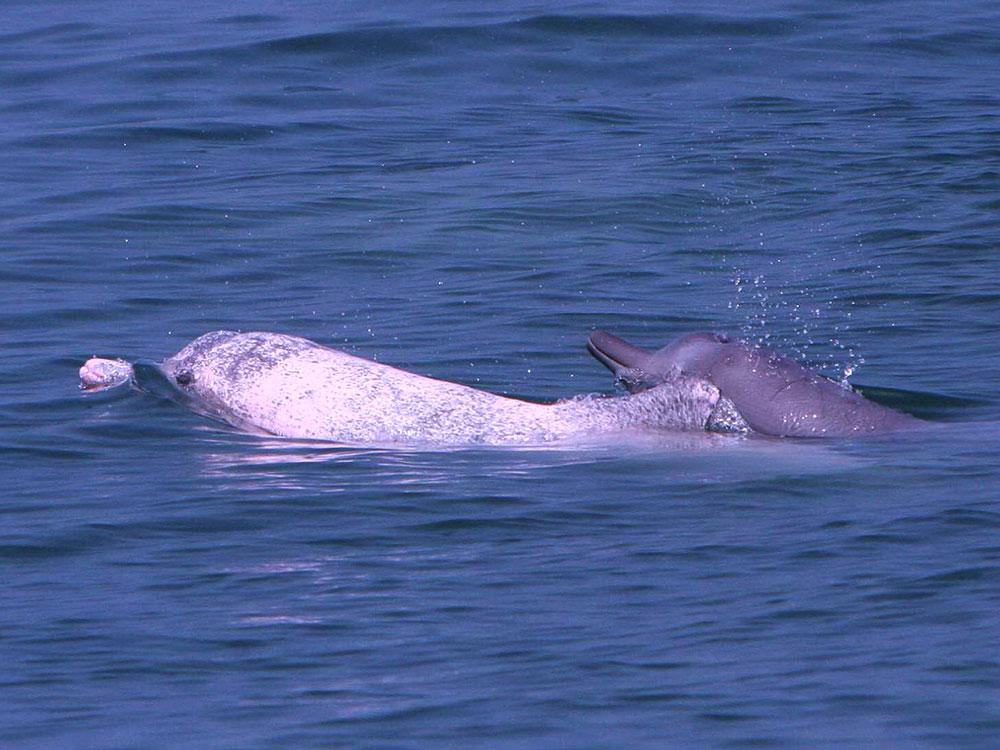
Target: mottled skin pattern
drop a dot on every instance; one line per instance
(98, 374)
(291, 387)
(760, 390)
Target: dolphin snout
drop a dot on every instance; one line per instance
(615, 353)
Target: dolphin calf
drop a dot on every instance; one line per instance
(760, 389)
(275, 384)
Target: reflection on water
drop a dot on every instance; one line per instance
(248, 462)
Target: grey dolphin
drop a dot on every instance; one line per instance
(759, 389)
(275, 384)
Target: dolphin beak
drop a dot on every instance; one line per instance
(615, 353)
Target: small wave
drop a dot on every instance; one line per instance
(59, 30)
(952, 44)
(667, 25)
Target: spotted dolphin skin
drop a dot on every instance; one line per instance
(760, 390)
(274, 384)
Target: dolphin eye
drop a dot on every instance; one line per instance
(184, 378)
(722, 338)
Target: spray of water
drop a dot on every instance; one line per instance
(764, 311)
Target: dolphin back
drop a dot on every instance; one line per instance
(778, 396)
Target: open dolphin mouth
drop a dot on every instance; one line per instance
(615, 353)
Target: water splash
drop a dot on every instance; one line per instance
(764, 311)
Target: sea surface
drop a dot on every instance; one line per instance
(465, 190)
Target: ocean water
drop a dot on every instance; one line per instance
(465, 191)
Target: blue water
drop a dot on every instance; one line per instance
(465, 191)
